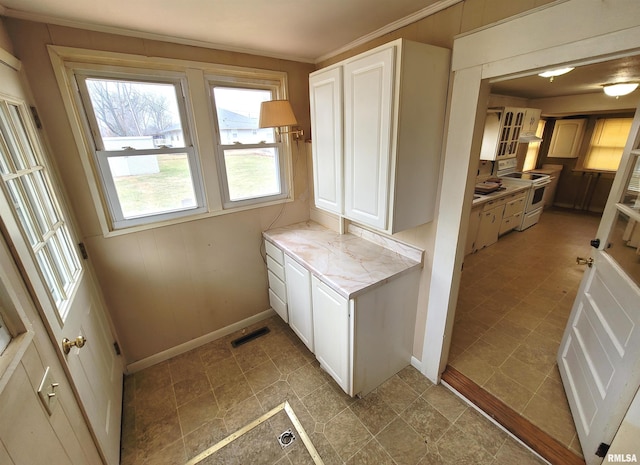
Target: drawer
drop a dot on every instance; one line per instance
(275, 267)
(493, 204)
(279, 306)
(514, 206)
(277, 286)
(274, 252)
(510, 222)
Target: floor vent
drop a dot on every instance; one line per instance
(250, 336)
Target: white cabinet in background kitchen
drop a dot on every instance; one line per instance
(472, 233)
(332, 333)
(501, 132)
(513, 211)
(566, 138)
(298, 281)
(490, 222)
(325, 98)
(393, 108)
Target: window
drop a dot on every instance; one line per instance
(607, 143)
(250, 158)
(533, 149)
(165, 140)
(143, 150)
(27, 186)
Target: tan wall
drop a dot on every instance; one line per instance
(169, 285)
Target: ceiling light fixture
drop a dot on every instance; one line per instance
(622, 88)
(277, 114)
(555, 72)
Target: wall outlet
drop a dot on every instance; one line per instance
(48, 391)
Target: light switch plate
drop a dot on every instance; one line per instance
(47, 391)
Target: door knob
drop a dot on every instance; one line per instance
(584, 261)
(78, 342)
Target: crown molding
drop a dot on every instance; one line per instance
(46, 19)
(402, 22)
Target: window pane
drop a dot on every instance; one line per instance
(27, 148)
(36, 204)
(138, 115)
(238, 113)
(9, 137)
(46, 197)
(70, 258)
(153, 184)
(252, 172)
(4, 155)
(24, 215)
(608, 141)
(47, 272)
(59, 264)
(631, 196)
(625, 245)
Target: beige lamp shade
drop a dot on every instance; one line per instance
(276, 113)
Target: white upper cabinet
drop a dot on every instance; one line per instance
(566, 138)
(501, 132)
(368, 96)
(325, 93)
(393, 108)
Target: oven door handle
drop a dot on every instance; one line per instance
(543, 183)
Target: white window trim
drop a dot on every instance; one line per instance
(283, 146)
(66, 59)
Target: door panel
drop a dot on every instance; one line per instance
(62, 287)
(599, 358)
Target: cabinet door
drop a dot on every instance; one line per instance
(368, 93)
(331, 329)
(490, 223)
(325, 94)
(472, 233)
(566, 138)
(298, 281)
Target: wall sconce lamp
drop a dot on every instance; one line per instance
(616, 90)
(277, 114)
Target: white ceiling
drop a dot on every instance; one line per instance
(303, 30)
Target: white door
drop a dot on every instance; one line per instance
(599, 356)
(368, 95)
(325, 99)
(61, 284)
(298, 280)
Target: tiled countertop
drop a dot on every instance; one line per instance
(348, 263)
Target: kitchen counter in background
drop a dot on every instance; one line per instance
(351, 263)
(509, 188)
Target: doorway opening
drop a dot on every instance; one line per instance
(516, 295)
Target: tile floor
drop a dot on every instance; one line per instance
(179, 408)
(515, 299)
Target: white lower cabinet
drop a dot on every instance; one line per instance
(332, 332)
(298, 283)
(360, 341)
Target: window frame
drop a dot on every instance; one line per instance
(65, 60)
(102, 155)
(280, 144)
(584, 156)
(50, 237)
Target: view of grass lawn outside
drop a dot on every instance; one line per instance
(250, 173)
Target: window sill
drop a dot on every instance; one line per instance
(12, 355)
(185, 219)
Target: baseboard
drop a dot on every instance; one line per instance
(417, 364)
(195, 343)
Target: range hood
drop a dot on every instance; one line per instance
(530, 126)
